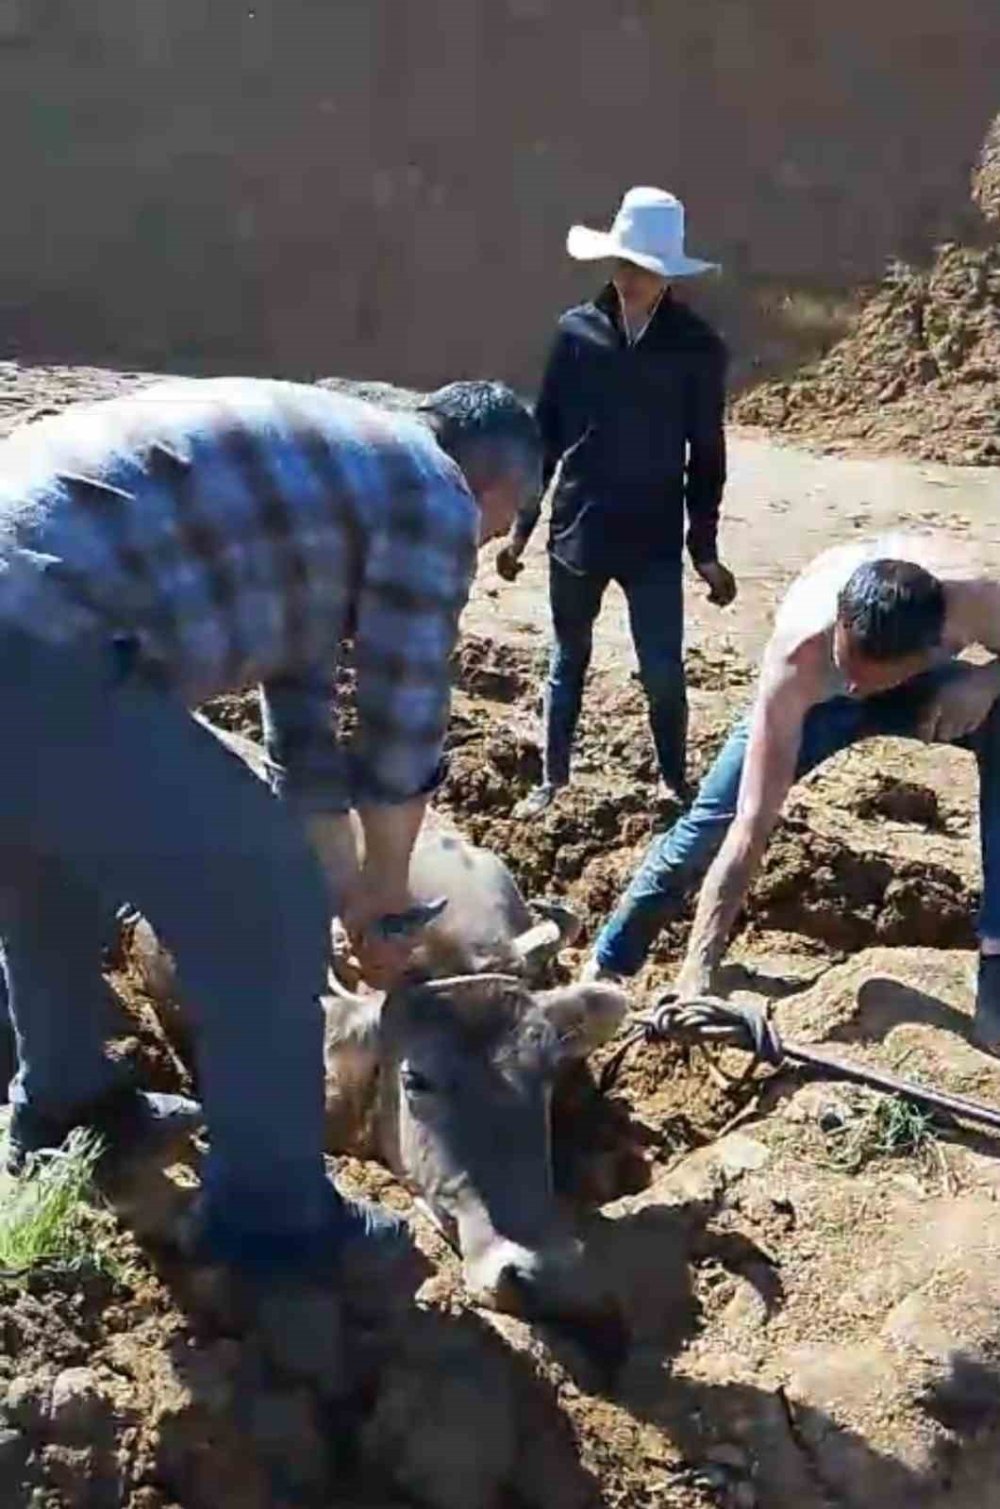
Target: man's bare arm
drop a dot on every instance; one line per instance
(772, 755)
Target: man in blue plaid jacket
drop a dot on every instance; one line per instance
(156, 549)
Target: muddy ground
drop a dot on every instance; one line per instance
(812, 1305)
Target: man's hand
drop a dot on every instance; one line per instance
(961, 705)
(508, 562)
(720, 581)
(382, 960)
(693, 981)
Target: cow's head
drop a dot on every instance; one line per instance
(457, 1078)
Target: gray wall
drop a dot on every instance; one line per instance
(382, 187)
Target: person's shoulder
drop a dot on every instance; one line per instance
(579, 319)
(268, 407)
(808, 609)
(444, 492)
(696, 333)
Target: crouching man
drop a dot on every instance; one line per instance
(155, 550)
(864, 644)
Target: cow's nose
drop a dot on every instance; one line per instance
(521, 1280)
(518, 1291)
(502, 1275)
(573, 1304)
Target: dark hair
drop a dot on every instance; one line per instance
(486, 426)
(892, 609)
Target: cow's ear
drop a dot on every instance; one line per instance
(351, 1064)
(583, 1016)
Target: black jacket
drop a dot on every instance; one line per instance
(639, 430)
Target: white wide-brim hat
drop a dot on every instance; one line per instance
(648, 230)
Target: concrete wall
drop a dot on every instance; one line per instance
(382, 187)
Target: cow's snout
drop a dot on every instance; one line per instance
(535, 1285)
(506, 1276)
(558, 1286)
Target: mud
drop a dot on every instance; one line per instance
(900, 802)
(813, 885)
(919, 372)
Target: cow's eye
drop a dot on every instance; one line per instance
(415, 1083)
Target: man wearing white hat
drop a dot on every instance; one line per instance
(631, 412)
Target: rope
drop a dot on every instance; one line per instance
(700, 1023)
(708, 1022)
(723, 1024)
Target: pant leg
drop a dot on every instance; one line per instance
(76, 907)
(656, 613)
(53, 930)
(8, 1050)
(677, 861)
(575, 601)
(130, 796)
(986, 744)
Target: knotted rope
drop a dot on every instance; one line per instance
(707, 1022)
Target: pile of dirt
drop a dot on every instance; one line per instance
(148, 1393)
(28, 393)
(919, 372)
(883, 796)
(986, 178)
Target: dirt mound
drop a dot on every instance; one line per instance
(986, 178)
(899, 801)
(920, 371)
(495, 671)
(849, 899)
(137, 1395)
(28, 393)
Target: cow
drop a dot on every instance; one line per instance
(447, 1080)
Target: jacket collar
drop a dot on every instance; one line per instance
(608, 303)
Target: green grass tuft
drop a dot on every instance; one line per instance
(891, 1128)
(51, 1219)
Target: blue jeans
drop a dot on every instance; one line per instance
(676, 862)
(656, 613)
(111, 790)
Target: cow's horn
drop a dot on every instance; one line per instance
(569, 924)
(532, 946)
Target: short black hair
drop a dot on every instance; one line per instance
(892, 609)
(486, 425)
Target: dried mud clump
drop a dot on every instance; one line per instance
(884, 796)
(850, 900)
(920, 371)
